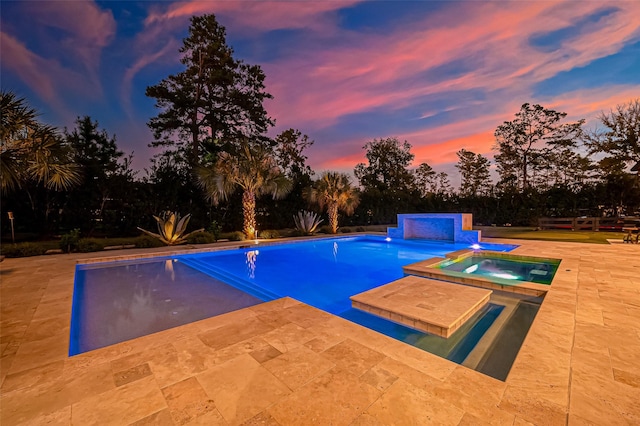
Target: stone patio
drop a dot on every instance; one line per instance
(286, 363)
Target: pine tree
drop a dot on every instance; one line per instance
(215, 101)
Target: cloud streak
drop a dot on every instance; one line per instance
(362, 76)
(256, 16)
(62, 55)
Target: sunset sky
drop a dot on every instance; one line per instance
(442, 75)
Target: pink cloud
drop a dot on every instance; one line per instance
(256, 16)
(343, 163)
(445, 152)
(66, 61)
(590, 103)
(84, 29)
(46, 77)
(33, 70)
(312, 88)
(82, 19)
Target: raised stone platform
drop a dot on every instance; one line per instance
(427, 305)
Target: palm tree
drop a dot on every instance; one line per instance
(31, 151)
(254, 170)
(334, 191)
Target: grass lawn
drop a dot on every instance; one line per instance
(529, 233)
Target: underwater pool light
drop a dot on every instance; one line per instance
(505, 276)
(476, 246)
(471, 269)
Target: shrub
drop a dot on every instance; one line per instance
(147, 242)
(215, 229)
(201, 238)
(86, 245)
(236, 236)
(345, 230)
(69, 242)
(360, 229)
(269, 233)
(23, 249)
(288, 232)
(326, 229)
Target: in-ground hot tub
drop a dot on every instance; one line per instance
(495, 270)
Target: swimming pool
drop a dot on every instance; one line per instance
(323, 273)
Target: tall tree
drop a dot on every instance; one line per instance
(170, 178)
(31, 152)
(568, 169)
(388, 167)
(253, 169)
(216, 98)
(425, 180)
(105, 173)
(387, 182)
(620, 141)
(334, 191)
(521, 142)
(474, 172)
(429, 183)
(443, 185)
(289, 151)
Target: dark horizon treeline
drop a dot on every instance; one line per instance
(112, 200)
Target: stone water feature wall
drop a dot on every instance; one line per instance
(449, 227)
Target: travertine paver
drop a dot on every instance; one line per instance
(427, 305)
(285, 363)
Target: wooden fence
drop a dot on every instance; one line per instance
(584, 223)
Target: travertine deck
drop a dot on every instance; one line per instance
(285, 363)
(427, 305)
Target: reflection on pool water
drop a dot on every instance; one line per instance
(125, 300)
(323, 273)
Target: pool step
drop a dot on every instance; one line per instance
(227, 278)
(431, 306)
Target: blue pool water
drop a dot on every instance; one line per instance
(123, 300)
(322, 273)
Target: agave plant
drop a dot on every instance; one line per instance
(171, 228)
(306, 222)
